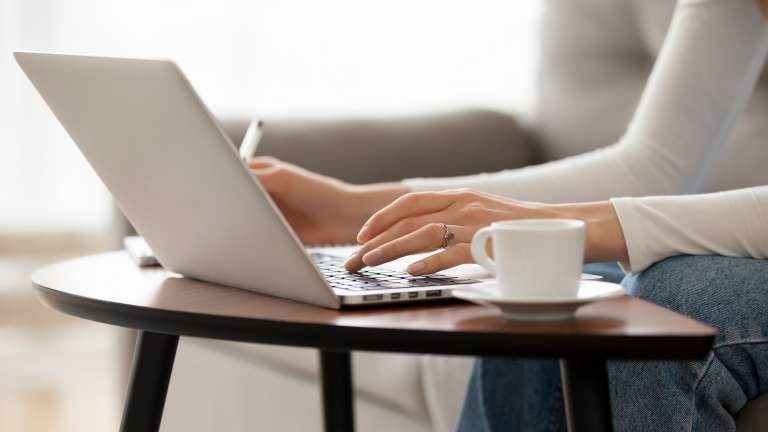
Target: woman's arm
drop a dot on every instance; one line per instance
(418, 222)
(634, 231)
(697, 91)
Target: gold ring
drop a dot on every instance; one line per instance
(447, 236)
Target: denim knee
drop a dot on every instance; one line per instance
(728, 293)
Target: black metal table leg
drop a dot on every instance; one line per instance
(151, 373)
(585, 391)
(336, 380)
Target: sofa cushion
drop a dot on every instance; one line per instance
(222, 391)
(388, 379)
(444, 380)
(437, 145)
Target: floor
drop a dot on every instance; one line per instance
(57, 373)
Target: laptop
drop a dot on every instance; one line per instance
(179, 180)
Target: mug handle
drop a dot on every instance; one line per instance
(479, 243)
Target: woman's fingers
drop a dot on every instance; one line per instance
(408, 205)
(451, 257)
(270, 178)
(427, 238)
(277, 177)
(263, 162)
(401, 228)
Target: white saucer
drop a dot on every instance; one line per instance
(545, 309)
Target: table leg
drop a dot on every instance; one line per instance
(585, 391)
(151, 373)
(336, 380)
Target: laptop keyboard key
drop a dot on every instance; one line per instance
(376, 278)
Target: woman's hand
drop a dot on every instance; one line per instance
(414, 224)
(321, 209)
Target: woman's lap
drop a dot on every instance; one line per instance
(730, 294)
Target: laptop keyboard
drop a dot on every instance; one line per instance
(376, 278)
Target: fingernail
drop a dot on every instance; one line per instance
(349, 260)
(372, 257)
(362, 234)
(416, 267)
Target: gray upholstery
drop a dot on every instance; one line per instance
(375, 150)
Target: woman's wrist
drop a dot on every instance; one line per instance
(605, 239)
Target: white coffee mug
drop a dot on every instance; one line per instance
(533, 258)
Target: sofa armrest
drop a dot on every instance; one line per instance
(387, 149)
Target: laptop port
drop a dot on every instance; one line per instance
(395, 296)
(373, 297)
(413, 294)
(434, 293)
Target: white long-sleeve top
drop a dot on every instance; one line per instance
(699, 87)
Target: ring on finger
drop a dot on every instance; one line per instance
(448, 236)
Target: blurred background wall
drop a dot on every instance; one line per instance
(270, 59)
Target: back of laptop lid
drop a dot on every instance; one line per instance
(174, 173)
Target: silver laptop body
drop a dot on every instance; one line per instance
(179, 180)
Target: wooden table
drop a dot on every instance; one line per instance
(109, 288)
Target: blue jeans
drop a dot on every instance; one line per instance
(730, 294)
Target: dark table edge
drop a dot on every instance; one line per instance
(366, 339)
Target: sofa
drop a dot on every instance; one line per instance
(596, 55)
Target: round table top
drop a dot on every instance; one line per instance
(110, 288)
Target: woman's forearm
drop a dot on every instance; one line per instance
(419, 222)
(605, 238)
